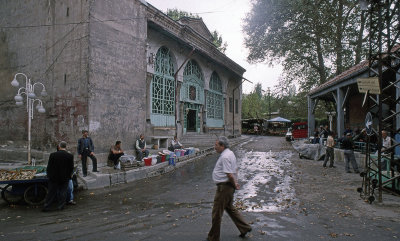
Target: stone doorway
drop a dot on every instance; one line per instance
(191, 120)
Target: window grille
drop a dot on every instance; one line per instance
(163, 84)
(192, 89)
(214, 98)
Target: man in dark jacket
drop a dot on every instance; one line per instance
(86, 149)
(348, 146)
(59, 171)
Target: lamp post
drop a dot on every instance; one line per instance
(31, 98)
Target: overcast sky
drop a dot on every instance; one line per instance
(226, 16)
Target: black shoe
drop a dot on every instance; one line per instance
(72, 202)
(242, 235)
(84, 175)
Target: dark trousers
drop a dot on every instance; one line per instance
(85, 154)
(115, 157)
(329, 155)
(57, 193)
(349, 157)
(140, 154)
(223, 200)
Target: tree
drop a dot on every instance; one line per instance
(176, 14)
(218, 42)
(312, 39)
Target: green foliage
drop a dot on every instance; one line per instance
(218, 42)
(176, 14)
(313, 40)
(291, 106)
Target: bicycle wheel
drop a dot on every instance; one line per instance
(12, 194)
(35, 194)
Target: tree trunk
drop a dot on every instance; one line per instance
(339, 37)
(360, 39)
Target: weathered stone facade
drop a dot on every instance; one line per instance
(96, 60)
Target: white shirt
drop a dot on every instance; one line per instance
(226, 163)
(173, 142)
(386, 142)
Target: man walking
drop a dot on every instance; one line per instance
(59, 171)
(225, 177)
(85, 150)
(330, 144)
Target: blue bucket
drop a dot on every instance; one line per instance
(171, 161)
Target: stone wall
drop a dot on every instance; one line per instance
(48, 41)
(117, 77)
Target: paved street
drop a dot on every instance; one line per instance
(284, 197)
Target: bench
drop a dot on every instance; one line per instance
(160, 141)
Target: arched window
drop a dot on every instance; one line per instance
(214, 98)
(193, 69)
(193, 83)
(163, 86)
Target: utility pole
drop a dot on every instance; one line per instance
(269, 102)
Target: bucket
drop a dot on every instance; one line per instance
(183, 152)
(147, 161)
(166, 157)
(187, 151)
(171, 161)
(178, 153)
(163, 158)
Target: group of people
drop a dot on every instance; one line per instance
(61, 165)
(347, 143)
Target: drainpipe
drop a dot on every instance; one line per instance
(233, 104)
(176, 89)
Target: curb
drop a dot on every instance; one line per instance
(101, 180)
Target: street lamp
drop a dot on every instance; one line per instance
(31, 99)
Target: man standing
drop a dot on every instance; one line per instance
(348, 146)
(59, 171)
(86, 149)
(141, 148)
(330, 144)
(225, 177)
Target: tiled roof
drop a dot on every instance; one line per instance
(342, 77)
(356, 69)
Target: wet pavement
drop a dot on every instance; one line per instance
(282, 196)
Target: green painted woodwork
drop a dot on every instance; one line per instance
(192, 89)
(215, 107)
(163, 90)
